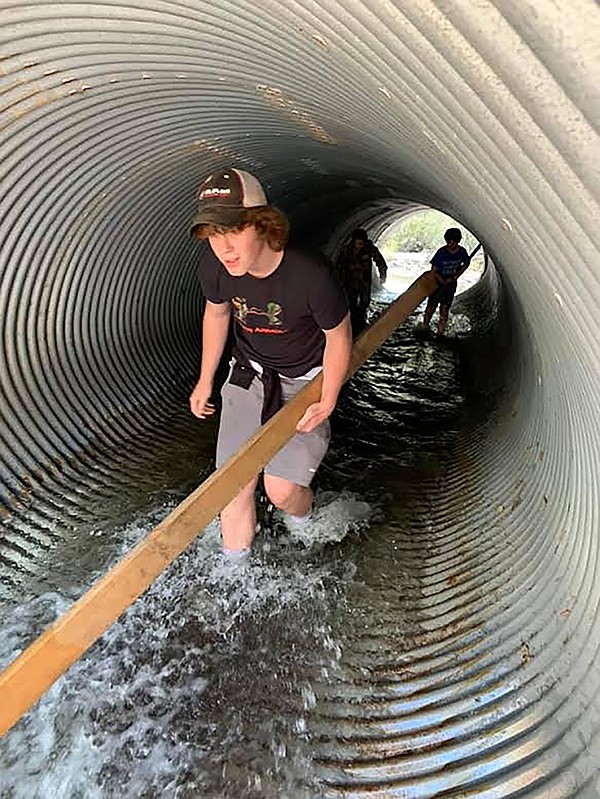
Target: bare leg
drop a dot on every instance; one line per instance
(238, 520)
(443, 320)
(429, 311)
(289, 497)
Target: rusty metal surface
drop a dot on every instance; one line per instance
(349, 112)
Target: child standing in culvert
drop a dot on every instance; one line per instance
(448, 264)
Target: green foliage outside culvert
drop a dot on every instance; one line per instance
(423, 230)
(409, 244)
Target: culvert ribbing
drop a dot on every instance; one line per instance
(111, 115)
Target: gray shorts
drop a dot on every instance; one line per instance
(240, 419)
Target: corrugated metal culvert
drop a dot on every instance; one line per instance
(348, 112)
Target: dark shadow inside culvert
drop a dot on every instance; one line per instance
(347, 114)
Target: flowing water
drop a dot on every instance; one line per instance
(281, 678)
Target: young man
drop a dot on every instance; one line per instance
(290, 321)
(447, 264)
(355, 267)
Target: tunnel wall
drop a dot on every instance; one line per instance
(112, 113)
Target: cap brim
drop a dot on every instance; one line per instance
(221, 215)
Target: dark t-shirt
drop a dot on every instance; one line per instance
(448, 263)
(279, 319)
(356, 269)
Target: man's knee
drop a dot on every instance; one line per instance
(280, 491)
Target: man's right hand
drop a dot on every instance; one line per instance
(200, 403)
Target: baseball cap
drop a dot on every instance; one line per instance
(225, 195)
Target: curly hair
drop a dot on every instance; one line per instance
(453, 234)
(271, 225)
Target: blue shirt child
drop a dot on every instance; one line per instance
(447, 263)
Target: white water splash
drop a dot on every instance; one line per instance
(334, 517)
(176, 700)
(458, 325)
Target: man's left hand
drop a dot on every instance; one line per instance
(314, 415)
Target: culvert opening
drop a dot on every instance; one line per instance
(404, 248)
(410, 242)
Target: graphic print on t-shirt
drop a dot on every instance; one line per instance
(448, 263)
(279, 320)
(242, 312)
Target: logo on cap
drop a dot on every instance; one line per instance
(214, 191)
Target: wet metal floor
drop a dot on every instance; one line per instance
(295, 677)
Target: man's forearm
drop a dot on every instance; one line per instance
(336, 359)
(381, 266)
(215, 328)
